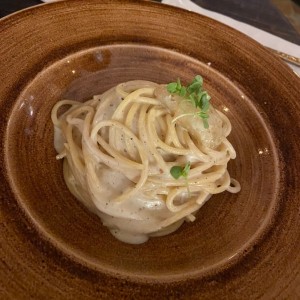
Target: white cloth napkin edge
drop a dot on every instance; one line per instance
(261, 36)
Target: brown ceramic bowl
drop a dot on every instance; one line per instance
(242, 246)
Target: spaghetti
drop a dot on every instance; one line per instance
(118, 149)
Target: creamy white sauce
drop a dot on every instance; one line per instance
(131, 221)
(140, 216)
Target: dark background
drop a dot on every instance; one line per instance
(262, 14)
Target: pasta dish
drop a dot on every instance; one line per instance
(144, 157)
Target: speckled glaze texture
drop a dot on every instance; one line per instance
(242, 246)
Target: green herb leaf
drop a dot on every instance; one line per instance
(186, 170)
(195, 94)
(182, 92)
(203, 115)
(194, 87)
(176, 171)
(204, 101)
(198, 78)
(172, 87)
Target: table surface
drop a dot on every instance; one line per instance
(262, 14)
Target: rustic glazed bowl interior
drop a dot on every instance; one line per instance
(226, 226)
(77, 58)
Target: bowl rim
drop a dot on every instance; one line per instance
(6, 21)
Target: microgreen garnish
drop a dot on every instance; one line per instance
(195, 94)
(178, 171)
